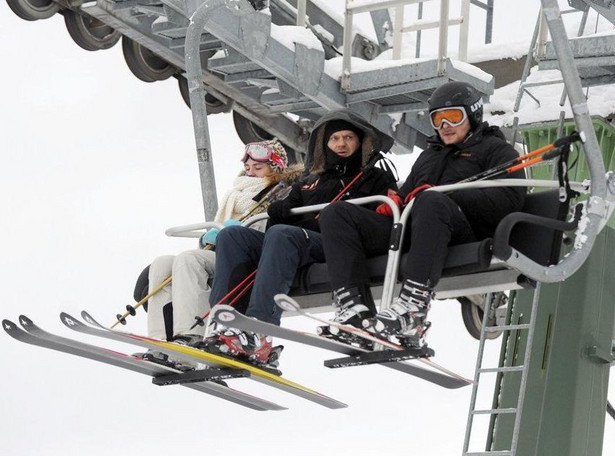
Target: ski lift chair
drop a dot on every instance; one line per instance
(472, 268)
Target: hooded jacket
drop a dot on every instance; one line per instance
(328, 174)
(485, 148)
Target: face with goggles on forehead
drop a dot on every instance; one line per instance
(451, 123)
(261, 159)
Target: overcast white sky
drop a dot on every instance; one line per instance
(96, 165)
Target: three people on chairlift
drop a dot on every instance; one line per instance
(346, 235)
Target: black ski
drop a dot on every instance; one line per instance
(379, 357)
(34, 335)
(199, 375)
(230, 317)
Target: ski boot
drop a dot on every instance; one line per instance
(246, 346)
(353, 305)
(406, 318)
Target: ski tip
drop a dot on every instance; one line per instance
(285, 302)
(89, 319)
(25, 321)
(224, 314)
(69, 320)
(8, 325)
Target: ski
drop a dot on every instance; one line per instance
(34, 335)
(190, 354)
(378, 357)
(228, 316)
(289, 304)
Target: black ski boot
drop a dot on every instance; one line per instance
(406, 318)
(353, 305)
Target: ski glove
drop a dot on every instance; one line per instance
(209, 237)
(231, 222)
(278, 211)
(410, 196)
(385, 209)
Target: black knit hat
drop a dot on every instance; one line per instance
(340, 125)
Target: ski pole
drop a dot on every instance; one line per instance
(368, 166)
(516, 163)
(132, 310)
(511, 169)
(240, 288)
(355, 179)
(278, 193)
(546, 156)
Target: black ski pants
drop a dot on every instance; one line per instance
(351, 234)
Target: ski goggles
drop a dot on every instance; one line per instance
(453, 116)
(263, 152)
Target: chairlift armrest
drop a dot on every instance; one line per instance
(358, 201)
(501, 239)
(194, 230)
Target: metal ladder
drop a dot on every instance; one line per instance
(500, 371)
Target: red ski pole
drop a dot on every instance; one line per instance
(241, 289)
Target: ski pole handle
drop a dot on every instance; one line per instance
(547, 156)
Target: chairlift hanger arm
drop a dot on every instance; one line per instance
(596, 205)
(501, 238)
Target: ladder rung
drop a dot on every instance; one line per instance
(501, 369)
(490, 453)
(507, 328)
(494, 411)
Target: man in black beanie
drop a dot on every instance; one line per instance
(340, 145)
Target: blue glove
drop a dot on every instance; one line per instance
(231, 222)
(209, 237)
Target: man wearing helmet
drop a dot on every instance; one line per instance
(463, 147)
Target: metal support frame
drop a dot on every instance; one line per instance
(357, 6)
(194, 75)
(354, 7)
(597, 201)
(551, 17)
(567, 383)
(301, 17)
(488, 7)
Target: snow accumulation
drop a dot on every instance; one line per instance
(495, 51)
(471, 70)
(289, 35)
(499, 110)
(333, 67)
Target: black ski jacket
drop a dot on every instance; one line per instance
(327, 178)
(484, 149)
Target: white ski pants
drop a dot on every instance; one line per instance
(189, 291)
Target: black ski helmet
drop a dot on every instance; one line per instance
(457, 93)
